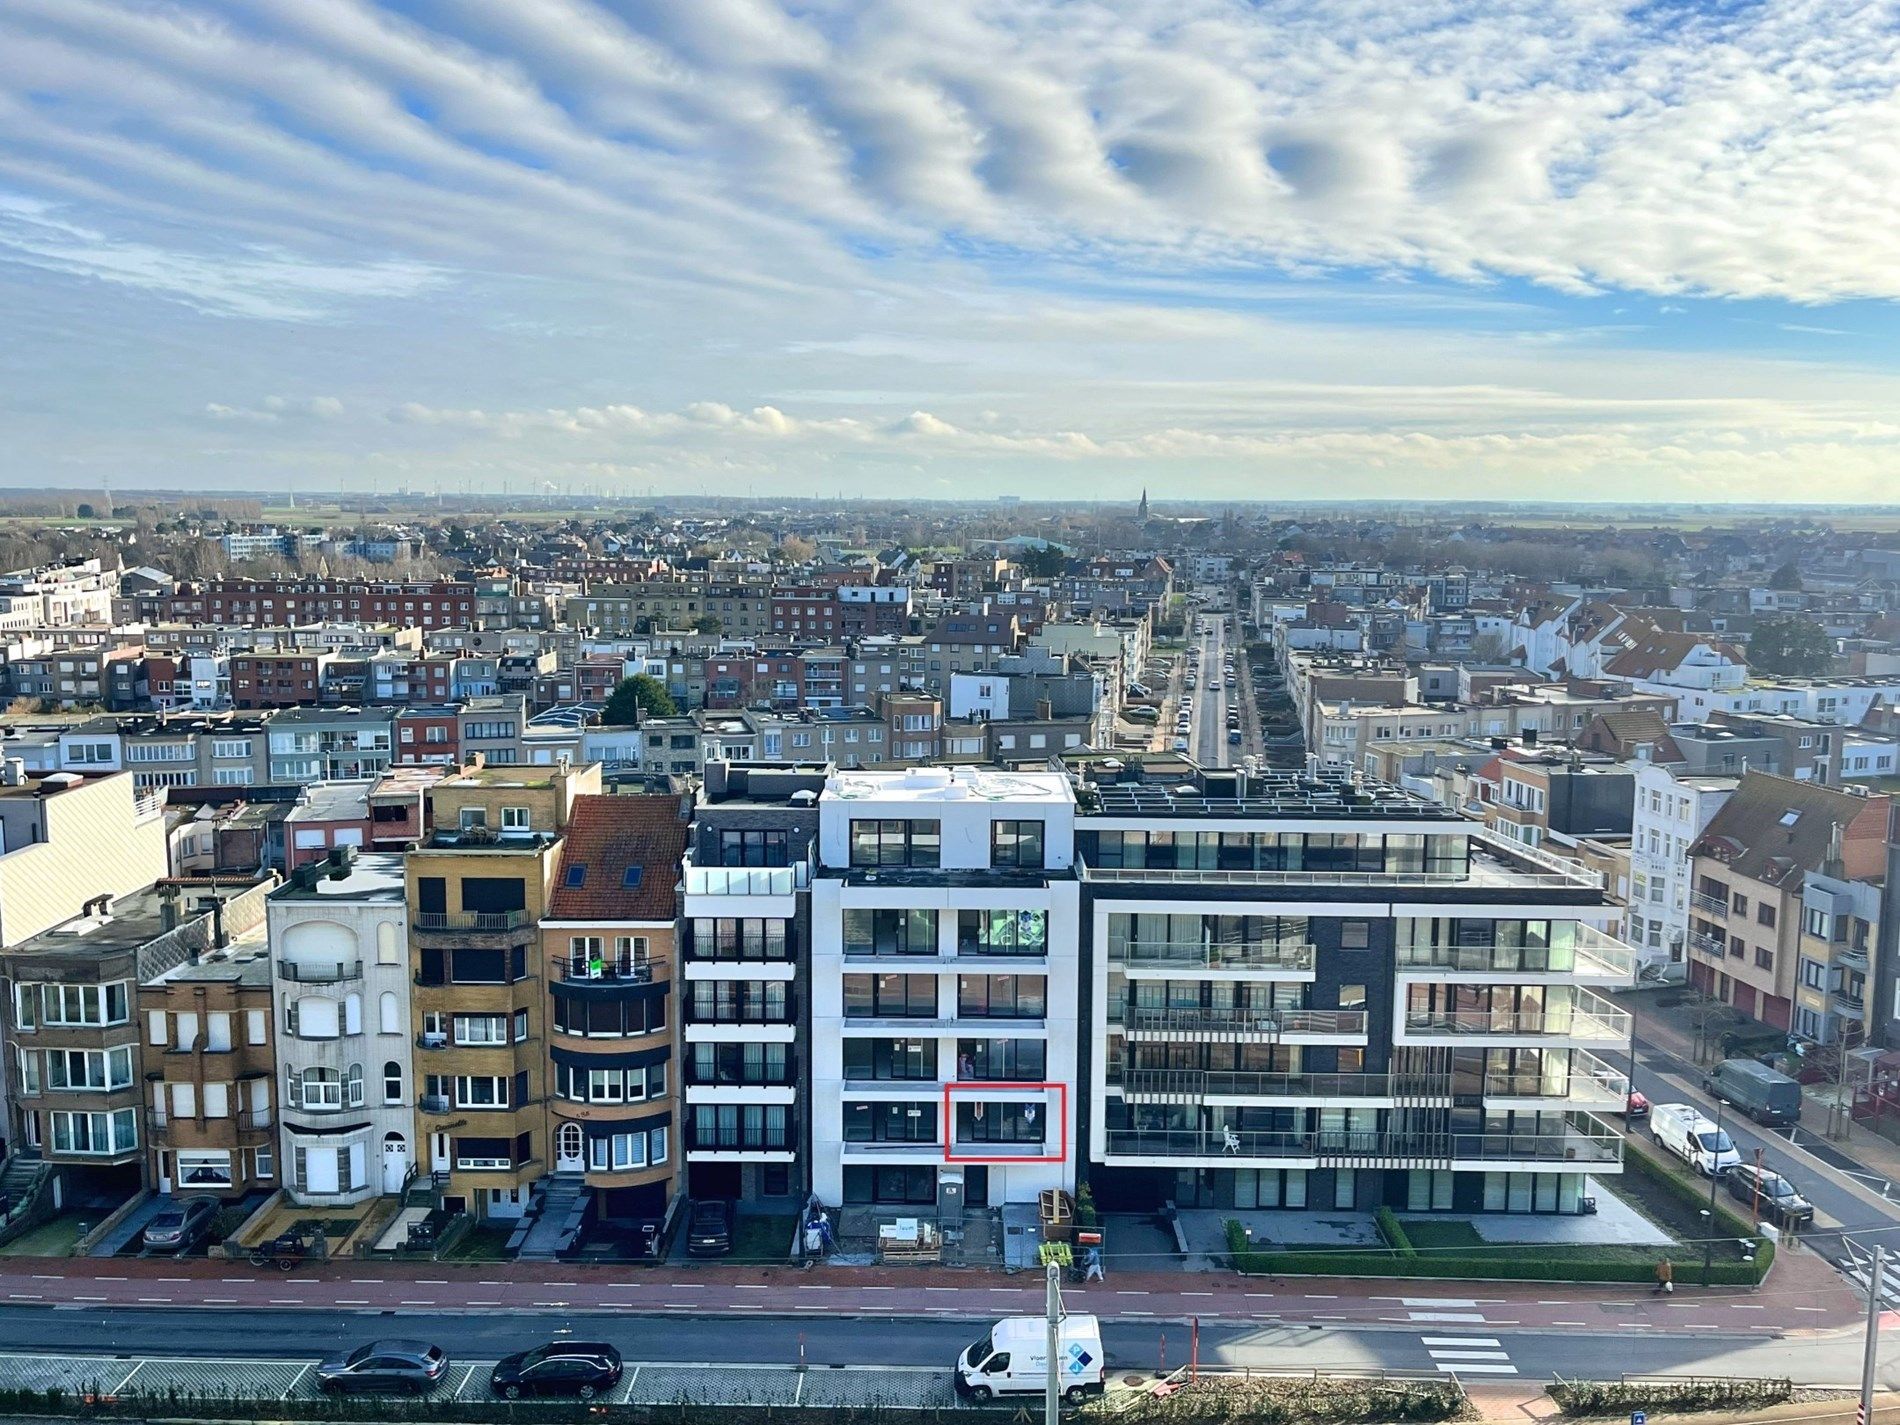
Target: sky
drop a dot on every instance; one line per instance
(953, 248)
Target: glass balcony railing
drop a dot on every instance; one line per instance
(1588, 1143)
(1174, 1085)
(1213, 955)
(1244, 1023)
(746, 880)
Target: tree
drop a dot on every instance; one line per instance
(709, 625)
(1788, 576)
(1044, 562)
(642, 694)
(1789, 643)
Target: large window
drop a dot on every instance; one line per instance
(320, 1090)
(99, 1133)
(585, 1085)
(1003, 1060)
(890, 1058)
(915, 844)
(1002, 996)
(890, 996)
(1002, 932)
(1000, 1122)
(609, 1017)
(627, 1151)
(94, 1069)
(730, 938)
(740, 1002)
(906, 1184)
(740, 1064)
(890, 932)
(753, 848)
(470, 965)
(85, 1004)
(1016, 843)
(889, 1122)
(753, 1126)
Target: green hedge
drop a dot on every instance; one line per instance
(1691, 1192)
(1394, 1232)
(1574, 1264)
(1595, 1397)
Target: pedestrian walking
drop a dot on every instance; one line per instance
(1665, 1278)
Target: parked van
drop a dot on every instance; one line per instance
(1012, 1358)
(1762, 1093)
(1681, 1129)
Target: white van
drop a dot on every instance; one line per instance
(1012, 1358)
(1681, 1129)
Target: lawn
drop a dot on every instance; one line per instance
(481, 1243)
(1430, 1235)
(54, 1238)
(762, 1237)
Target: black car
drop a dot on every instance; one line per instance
(388, 1366)
(1778, 1200)
(180, 1226)
(709, 1228)
(582, 1368)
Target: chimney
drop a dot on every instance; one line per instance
(168, 908)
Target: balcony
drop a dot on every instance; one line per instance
(464, 922)
(1593, 955)
(1590, 1081)
(1253, 1025)
(1715, 906)
(1704, 943)
(434, 1103)
(739, 1140)
(1269, 956)
(582, 970)
(757, 1076)
(1851, 957)
(1592, 1018)
(744, 1012)
(1195, 1085)
(746, 880)
(322, 973)
(1588, 1144)
(1496, 863)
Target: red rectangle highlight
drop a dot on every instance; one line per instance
(950, 1155)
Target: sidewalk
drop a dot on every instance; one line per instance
(1673, 1031)
(1803, 1294)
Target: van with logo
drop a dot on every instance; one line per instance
(1012, 1358)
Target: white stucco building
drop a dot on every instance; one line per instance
(944, 978)
(340, 989)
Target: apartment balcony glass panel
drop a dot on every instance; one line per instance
(890, 932)
(741, 1002)
(740, 1127)
(732, 939)
(740, 1065)
(1002, 932)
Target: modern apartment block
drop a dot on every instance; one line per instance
(608, 958)
(341, 991)
(1314, 992)
(745, 980)
(944, 980)
(478, 890)
(1672, 808)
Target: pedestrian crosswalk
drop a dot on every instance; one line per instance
(1857, 1266)
(1469, 1355)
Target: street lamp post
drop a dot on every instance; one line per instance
(1715, 1174)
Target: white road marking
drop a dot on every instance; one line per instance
(1470, 1367)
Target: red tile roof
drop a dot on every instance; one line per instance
(608, 834)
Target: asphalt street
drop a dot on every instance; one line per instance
(1604, 1348)
(1845, 1207)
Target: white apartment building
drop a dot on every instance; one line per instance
(1671, 811)
(1322, 993)
(944, 979)
(340, 989)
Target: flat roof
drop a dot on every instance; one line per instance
(1283, 795)
(371, 876)
(936, 785)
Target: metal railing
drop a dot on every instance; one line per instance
(738, 1140)
(1141, 1084)
(329, 973)
(746, 880)
(626, 970)
(744, 1076)
(746, 1011)
(1245, 1023)
(1708, 944)
(1708, 904)
(428, 920)
(1594, 1076)
(1214, 955)
(1566, 1145)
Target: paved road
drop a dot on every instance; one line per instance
(1851, 1214)
(1605, 1348)
(1208, 742)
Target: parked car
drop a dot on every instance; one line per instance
(1757, 1090)
(1772, 1195)
(1233, 737)
(388, 1366)
(1180, 744)
(1681, 1129)
(1635, 1107)
(180, 1226)
(709, 1228)
(582, 1368)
